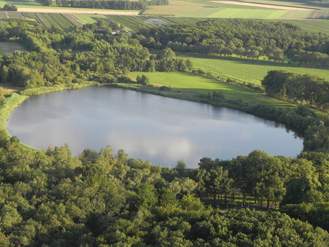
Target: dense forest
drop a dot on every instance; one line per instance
(52, 198)
(8, 7)
(102, 199)
(300, 88)
(246, 38)
(101, 52)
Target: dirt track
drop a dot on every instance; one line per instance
(261, 5)
(76, 11)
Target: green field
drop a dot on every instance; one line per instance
(312, 25)
(249, 71)
(201, 8)
(189, 85)
(87, 19)
(60, 21)
(213, 9)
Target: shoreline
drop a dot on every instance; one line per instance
(15, 99)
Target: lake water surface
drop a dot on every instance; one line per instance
(155, 128)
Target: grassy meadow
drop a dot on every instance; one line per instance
(249, 71)
(189, 86)
(312, 25)
(232, 9)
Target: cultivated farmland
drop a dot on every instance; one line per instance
(60, 21)
(235, 9)
(9, 47)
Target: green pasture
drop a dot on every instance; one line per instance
(88, 18)
(210, 9)
(189, 86)
(251, 13)
(249, 71)
(312, 25)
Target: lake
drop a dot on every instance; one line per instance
(150, 127)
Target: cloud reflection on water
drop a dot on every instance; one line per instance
(150, 127)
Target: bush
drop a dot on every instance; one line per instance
(9, 7)
(143, 79)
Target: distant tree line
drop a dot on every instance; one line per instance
(102, 52)
(8, 7)
(246, 38)
(298, 88)
(105, 4)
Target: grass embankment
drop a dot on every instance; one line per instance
(197, 88)
(7, 106)
(211, 91)
(57, 88)
(249, 71)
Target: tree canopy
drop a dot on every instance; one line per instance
(245, 38)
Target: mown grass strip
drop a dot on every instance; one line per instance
(192, 87)
(44, 90)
